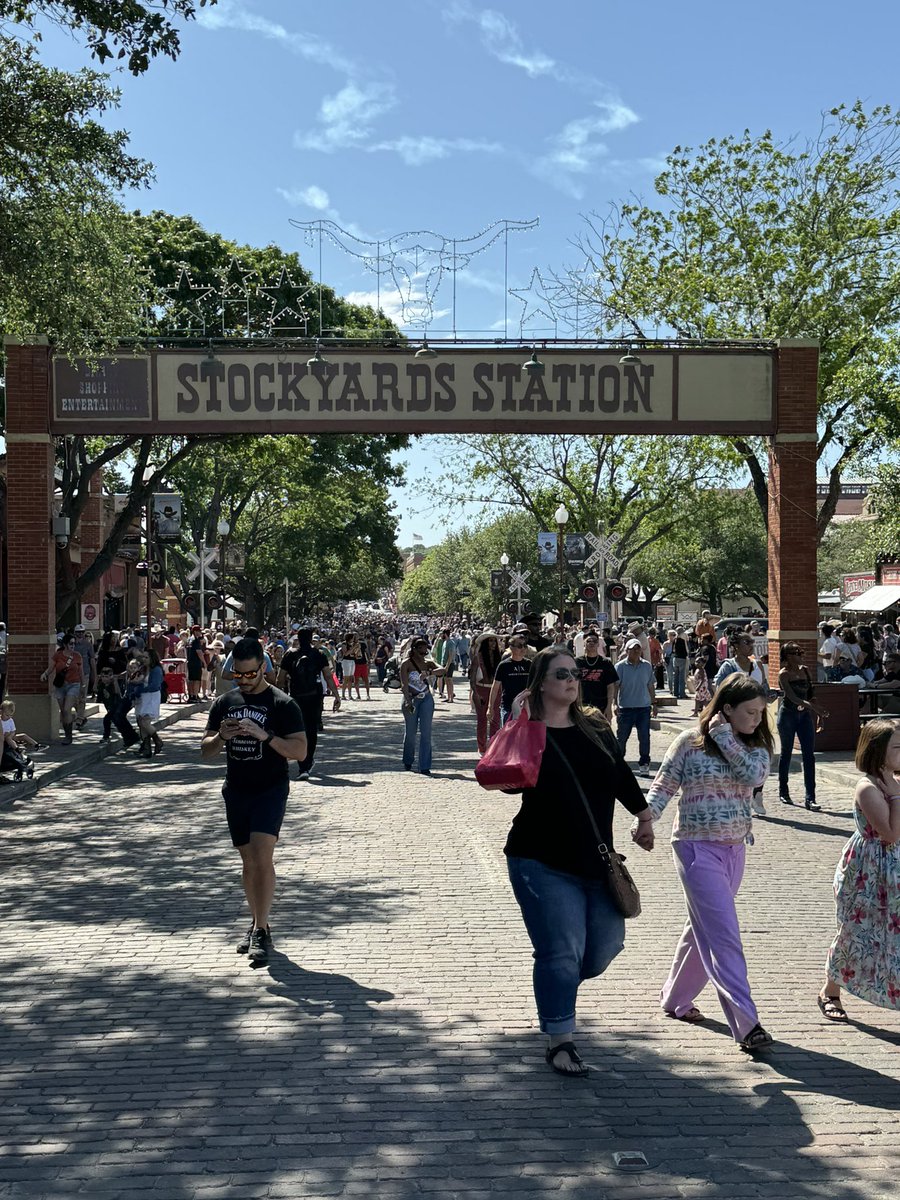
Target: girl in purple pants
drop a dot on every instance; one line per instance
(716, 766)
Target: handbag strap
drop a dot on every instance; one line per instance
(601, 845)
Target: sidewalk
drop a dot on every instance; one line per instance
(57, 761)
(390, 1048)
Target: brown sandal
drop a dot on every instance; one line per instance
(831, 1008)
(693, 1016)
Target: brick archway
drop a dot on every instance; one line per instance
(582, 391)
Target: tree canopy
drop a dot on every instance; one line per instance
(753, 237)
(125, 29)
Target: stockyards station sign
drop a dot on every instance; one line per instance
(222, 389)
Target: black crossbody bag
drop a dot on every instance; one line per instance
(623, 889)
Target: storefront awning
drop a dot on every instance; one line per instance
(875, 600)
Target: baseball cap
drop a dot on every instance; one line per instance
(79, 629)
(632, 642)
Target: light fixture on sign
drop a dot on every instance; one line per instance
(533, 366)
(425, 351)
(317, 359)
(629, 359)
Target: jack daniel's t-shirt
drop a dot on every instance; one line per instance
(251, 765)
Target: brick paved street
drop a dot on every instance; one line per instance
(390, 1049)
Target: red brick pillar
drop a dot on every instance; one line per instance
(793, 591)
(31, 548)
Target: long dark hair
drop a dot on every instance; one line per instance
(590, 721)
(490, 658)
(734, 690)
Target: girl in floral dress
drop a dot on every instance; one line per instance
(700, 680)
(865, 955)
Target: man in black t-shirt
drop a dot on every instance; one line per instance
(510, 678)
(261, 729)
(301, 672)
(599, 681)
(534, 637)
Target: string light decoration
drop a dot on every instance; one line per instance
(415, 263)
(287, 300)
(537, 300)
(186, 297)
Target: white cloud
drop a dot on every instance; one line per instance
(229, 15)
(346, 118)
(415, 151)
(310, 197)
(391, 305)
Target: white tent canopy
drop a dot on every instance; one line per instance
(875, 600)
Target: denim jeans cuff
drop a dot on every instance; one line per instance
(558, 1025)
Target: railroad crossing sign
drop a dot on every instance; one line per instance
(518, 580)
(602, 549)
(210, 557)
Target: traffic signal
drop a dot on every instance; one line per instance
(512, 608)
(588, 593)
(190, 603)
(616, 590)
(213, 602)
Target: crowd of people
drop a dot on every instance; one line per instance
(592, 687)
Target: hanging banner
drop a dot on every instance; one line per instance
(221, 390)
(167, 517)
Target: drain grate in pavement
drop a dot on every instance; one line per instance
(630, 1160)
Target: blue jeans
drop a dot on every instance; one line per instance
(639, 719)
(790, 723)
(679, 671)
(576, 932)
(421, 718)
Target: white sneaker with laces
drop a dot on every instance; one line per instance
(756, 804)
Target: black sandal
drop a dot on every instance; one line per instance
(831, 1008)
(756, 1039)
(574, 1056)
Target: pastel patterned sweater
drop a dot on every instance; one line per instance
(714, 805)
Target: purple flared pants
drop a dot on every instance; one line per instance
(710, 949)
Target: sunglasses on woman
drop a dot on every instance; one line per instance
(567, 673)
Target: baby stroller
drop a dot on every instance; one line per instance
(392, 675)
(18, 763)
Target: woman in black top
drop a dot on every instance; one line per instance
(797, 719)
(554, 866)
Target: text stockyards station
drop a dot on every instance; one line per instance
(227, 390)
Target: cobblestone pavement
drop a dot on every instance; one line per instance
(390, 1048)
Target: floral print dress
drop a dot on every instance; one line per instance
(865, 955)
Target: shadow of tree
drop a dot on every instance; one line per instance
(150, 1056)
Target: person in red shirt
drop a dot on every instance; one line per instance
(65, 668)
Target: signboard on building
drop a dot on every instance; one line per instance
(858, 583)
(890, 573)
(90, 617)
(225, 390)
(665, 614)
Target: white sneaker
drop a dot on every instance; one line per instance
(756, 804)
(643, 772)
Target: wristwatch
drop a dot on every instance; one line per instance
(268, 738)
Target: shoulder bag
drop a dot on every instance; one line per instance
(623, 889)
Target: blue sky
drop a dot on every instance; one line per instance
(451, 116)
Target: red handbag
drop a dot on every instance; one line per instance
(513, 759)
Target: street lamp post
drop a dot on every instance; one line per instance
(561, 516)
(223, 529)
(504, 563)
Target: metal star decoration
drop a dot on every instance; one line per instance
(536, 301)
(186, 296)
(286, 297)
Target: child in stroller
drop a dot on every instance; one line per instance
(14, 757)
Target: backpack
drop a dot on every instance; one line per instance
(305, 677)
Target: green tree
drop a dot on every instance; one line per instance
(716, 548)
(629, 488)
(220, 295)
(755, 238)
(67, 268)
(313, 510)
(127, 29)
(456, 574)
